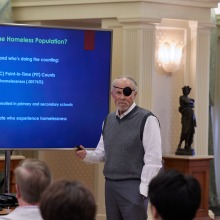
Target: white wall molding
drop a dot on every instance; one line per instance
(192, 3)
(24, 10)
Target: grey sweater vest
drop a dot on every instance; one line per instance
(124, 151)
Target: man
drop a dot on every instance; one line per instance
(174, 196)
(130, 146)
(32, 177)
(66, 200)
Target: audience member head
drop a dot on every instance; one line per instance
(65, 200)
(174, 196)
(32, 177)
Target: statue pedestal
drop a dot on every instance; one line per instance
(197, 166)
(188, 152)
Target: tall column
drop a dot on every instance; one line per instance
(200, 64)
(116, 62)
(139, 56)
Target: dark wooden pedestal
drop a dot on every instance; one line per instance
(197, 166)
(15, 160)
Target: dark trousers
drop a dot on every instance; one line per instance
(124, 201)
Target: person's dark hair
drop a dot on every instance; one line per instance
(32, 176)
(174, 195)
(65, 200)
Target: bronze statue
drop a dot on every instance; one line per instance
(188, 119)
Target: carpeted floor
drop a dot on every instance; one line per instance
(216, 210)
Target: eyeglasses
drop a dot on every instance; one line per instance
(126, 91)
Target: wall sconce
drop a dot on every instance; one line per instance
(169, 56)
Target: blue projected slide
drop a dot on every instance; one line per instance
(54, 86)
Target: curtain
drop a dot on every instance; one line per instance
(5, 11)
(213, 57)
